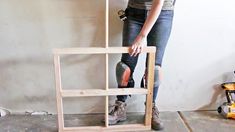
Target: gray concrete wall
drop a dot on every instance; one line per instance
(199, 57)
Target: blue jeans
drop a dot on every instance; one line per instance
(158, 36)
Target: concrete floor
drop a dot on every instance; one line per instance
(201, 121)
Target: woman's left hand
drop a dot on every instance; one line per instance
(138, 45)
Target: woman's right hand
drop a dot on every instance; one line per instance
(138, 44)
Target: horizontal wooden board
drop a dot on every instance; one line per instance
(131, 127)
(99, 50)
(101, 92)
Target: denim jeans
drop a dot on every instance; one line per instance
(158, 36)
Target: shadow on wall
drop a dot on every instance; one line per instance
(218, 96)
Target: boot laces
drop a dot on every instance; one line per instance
(113, 109)
(116, 109)
(155, 111)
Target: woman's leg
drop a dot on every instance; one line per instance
(131, 29)
(158, 37)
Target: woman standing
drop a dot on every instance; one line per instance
(147, 21)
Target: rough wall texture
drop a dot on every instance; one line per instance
(199, 57)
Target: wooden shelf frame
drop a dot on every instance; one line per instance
(60, 93)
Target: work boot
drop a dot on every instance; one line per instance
(117, 113)
(156, 122)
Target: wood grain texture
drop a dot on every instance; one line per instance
(131, 127)
(58, 92)
(150, 82)
(101, 92)
(100, 50)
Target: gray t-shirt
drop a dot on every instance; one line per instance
(146, 4)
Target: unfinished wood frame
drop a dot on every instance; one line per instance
(60, 93)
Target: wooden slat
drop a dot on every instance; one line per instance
(107, 88)
(150, 82)
(107, 61)
(110, 50)
(107, 23)
(101, 92)
(107, 111)
(130, 127)
(58, 90)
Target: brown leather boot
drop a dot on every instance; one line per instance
(156, 122)
(118, 112)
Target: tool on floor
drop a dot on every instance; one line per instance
(227, 109)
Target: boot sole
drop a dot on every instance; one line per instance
(157, 128)
(116, 121)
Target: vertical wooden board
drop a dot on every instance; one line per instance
(107, 111)
(58, 92)
(107, 23)
(149, 98)
(107, 88)
(107, 60)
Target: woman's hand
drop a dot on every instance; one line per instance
(138, 45)
(140, 40)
